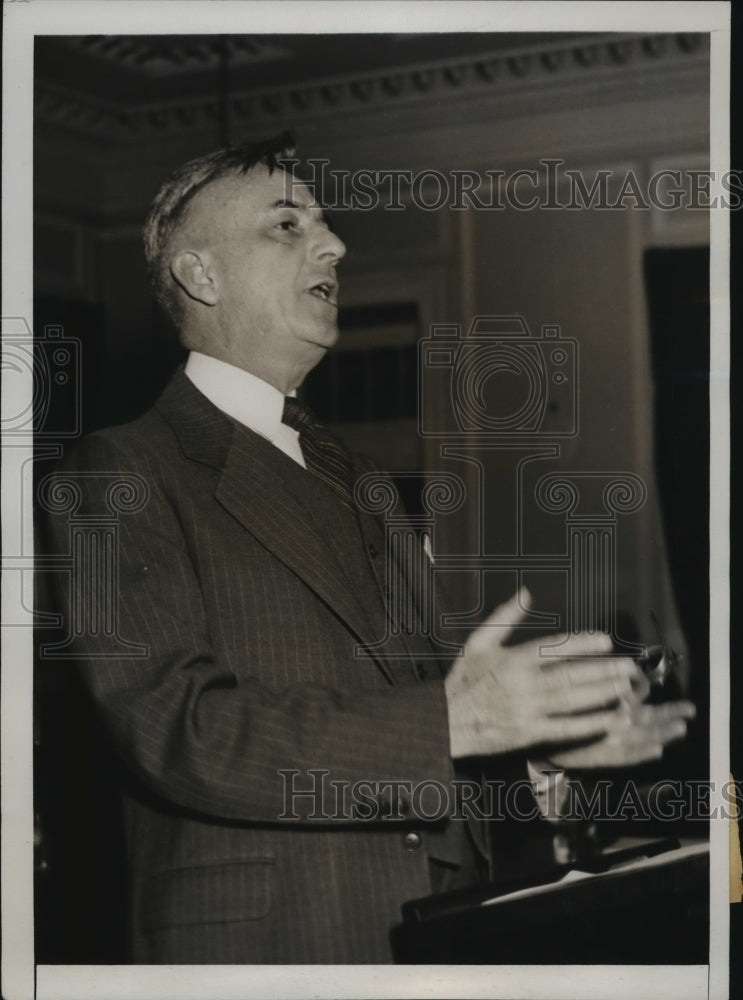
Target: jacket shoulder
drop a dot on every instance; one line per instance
(131, 445)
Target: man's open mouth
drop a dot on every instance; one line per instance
(325, 290)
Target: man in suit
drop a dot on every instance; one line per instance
(255, 582)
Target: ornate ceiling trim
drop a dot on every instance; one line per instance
(161, 55)
(561, 65)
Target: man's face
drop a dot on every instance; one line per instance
(273, 259)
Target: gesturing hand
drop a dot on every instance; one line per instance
(636, 735)
(512, 698)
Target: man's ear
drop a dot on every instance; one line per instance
(192, 272)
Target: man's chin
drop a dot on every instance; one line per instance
(324, 338)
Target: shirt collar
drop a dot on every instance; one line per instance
(241, 395)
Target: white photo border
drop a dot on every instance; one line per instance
(22, 21)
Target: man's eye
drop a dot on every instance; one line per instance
(287, 225)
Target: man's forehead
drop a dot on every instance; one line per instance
(262, 190)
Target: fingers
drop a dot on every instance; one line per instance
(606, 754)
(652, 724)
(582, 697)
(638, 746)
(669, 731)
(565, 647)
(655, 732)
(629, 741)
(501, 623)
(645, 715)
(571, 673)
(576, 686)
(660, 724)
(577, 727)
(635, 753)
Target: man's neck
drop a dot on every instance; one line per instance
(280, 374)
(284, 373)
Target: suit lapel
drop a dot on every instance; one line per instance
(253, 489)
(262, 489)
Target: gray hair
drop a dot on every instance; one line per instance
(173, 198)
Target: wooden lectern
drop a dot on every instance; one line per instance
(647, 904)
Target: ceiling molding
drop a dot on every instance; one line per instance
(610, 63)
(157, 56)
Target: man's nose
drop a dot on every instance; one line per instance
(329, 246)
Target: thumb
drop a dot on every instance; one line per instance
(499, 625)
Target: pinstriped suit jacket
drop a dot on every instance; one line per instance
(235, 575)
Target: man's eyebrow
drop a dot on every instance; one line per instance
(288, 203)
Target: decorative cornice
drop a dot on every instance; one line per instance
(168, 55)
(503, 73)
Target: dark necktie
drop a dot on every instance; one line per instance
(323, 453)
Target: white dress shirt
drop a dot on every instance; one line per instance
(245, 398)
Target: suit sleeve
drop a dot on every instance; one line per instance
(181, 720)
